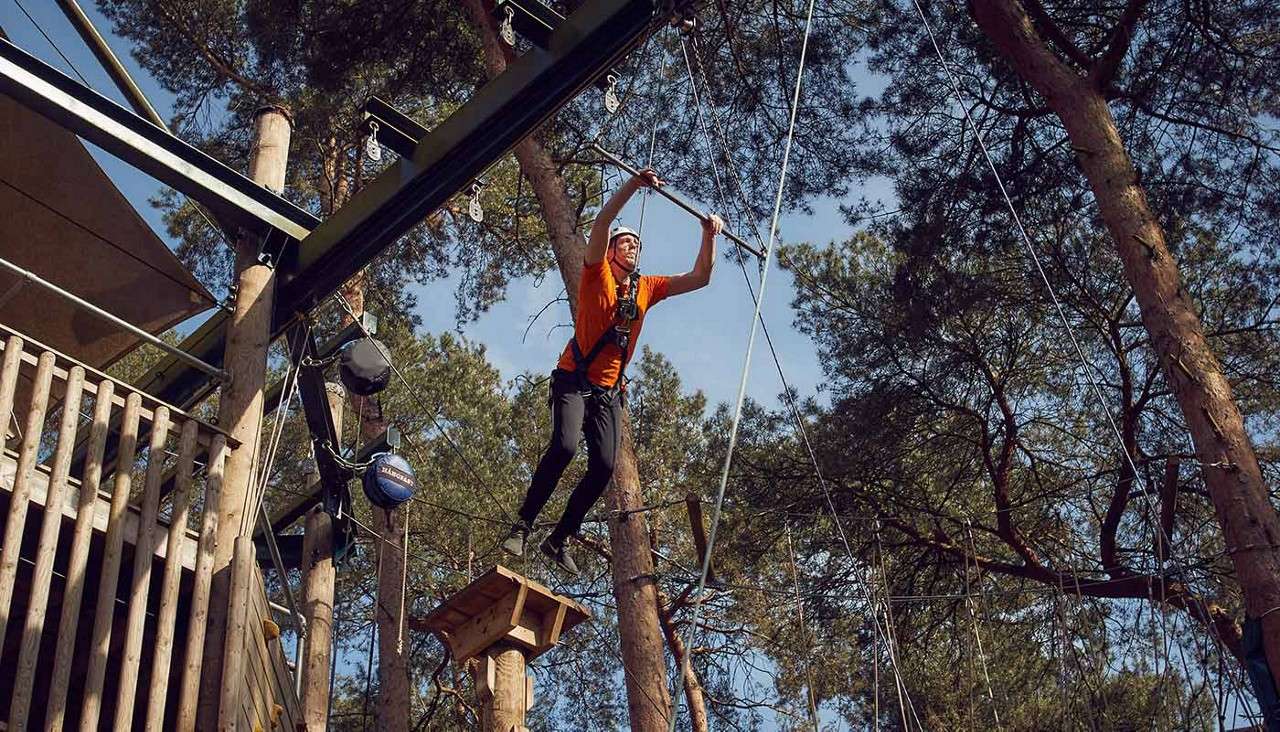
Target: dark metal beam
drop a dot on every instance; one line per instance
(151, 149)
(531, 19)
(474, 137)
(395, 130)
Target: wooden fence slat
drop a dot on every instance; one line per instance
(188, 694)
(76, 564)
(110, 576)
(9, 383)
(17, 518)
(243, 560)
(172, 576)
(140, 582)
(50, 528)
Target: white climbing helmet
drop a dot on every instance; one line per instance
(618, 231)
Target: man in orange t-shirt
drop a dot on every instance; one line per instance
(587, 384)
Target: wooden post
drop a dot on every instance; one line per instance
(317, 598)
(163, 657)
(17, 519)
(188, 695)
(502, 688)
(233, 660)
(49, 530)
(240, 405)
(503, 620)
(110, 576)
(79, 560)
(144, 550)
(393, 664)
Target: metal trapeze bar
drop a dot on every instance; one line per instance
(151, 149)
(614, 159)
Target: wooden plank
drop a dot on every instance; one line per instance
(140, 586)
(79, 558)
(489, 626)
(110, 574)
(172, 577)
(233, 660)
(189, 692)
(257, 653)
(46, 551)
(13, 528)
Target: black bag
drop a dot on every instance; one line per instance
(362, 367)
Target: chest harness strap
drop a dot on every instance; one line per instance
(619, 335)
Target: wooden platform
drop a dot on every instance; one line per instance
(502, 605)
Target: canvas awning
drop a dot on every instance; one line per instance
(63, 219)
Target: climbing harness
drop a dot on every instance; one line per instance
(627, 311)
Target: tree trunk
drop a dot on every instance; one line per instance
(634, 588)
(1249, 523)
(393, 661)
(693, 695)
(240, 404)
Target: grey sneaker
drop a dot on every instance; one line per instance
(516, 538)
(557, 554)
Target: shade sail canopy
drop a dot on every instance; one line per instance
(63, 219)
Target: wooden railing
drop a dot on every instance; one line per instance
(126, 531)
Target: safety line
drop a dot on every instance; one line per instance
(866, 586)
(746, 368)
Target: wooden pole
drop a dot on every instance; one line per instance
(503, 688)
(188, 694)
(317, 598)
(163, 658)
(140, 581)
(17, 519)
(110, 573)
(240, 405)
(233, 659)
(49, 530)
(79, 559)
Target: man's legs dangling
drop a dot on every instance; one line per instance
(601, 427)
(567, 411)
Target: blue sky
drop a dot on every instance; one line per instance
(704, 334)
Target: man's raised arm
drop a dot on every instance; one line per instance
(700, 275)
(598, 243)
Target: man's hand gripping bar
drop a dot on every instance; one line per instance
(614, 159)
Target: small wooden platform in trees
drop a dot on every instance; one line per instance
(503, 606)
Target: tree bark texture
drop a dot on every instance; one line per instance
(634, 588)
(319, 577)
(503, 705)
(240, 404)
(1249, 523)
(693, 695)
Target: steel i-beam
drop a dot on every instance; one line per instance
(151, 149)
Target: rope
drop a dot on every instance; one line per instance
(811, 695)
(866, 587)
(746, 368)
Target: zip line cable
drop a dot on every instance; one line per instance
(787, 391)
(746, 369)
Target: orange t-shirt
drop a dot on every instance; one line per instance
(597, 308)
